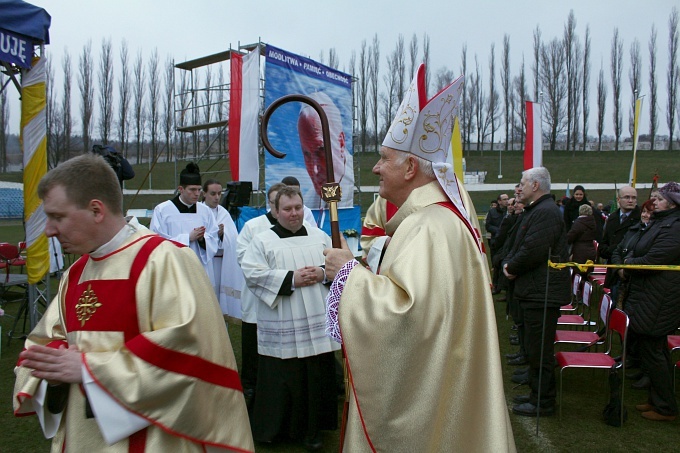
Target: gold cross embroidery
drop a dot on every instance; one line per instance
(87, 305)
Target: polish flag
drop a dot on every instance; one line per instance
(244, 107)
(533, 145)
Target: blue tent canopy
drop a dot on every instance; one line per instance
(25, 19)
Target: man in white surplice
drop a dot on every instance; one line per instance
(184, 220)
(226, 270)
(296, 392)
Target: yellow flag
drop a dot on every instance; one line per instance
(34, 146)
(457, 151)
(633, 166)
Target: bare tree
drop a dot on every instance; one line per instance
(552, 75)
(219, 104)
(105, 91)
(505, 83)
(569, 40)
(388, 96)
(635, 78)
(124, 99)
(374, 71)
(400, 68)
(521, 95)
(536, 66)
(616, 70)
(443, 78)
(470, 112)
(480, 105)
(181, 121)
(362, 93)
(601, 106)
(51, 118)
(464, 119)
(585, 87)
(154, 95)
(86, 88)
(67, 119)
(168, 112)
(493, 99)
(653, 107)
(138, 104)
(207, 107)
(577, 61)
(413, 54)
(4, 126)
(426, 61)
(333, 60)
(673, 75)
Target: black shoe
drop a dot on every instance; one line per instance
(495, 291)
(513, 337)
(523, 370)
(514, 355)
(530, 410)
(521, 379)
(313, 443)
(502, 299)
(517, 361)
(643, 383)
(514, 341)
(521, 399)
(513, 327)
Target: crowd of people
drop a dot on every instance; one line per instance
(636, 233)
(134, 354)
(134, 351)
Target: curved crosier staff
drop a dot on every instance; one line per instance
(331, 194)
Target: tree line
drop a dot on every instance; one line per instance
(135, 103)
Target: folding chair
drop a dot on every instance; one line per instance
(575, 292)
(587, 337)
(579, 320)
(618, 322)
(9, 256)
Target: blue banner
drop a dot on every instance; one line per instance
(15, 49)
(295, 128)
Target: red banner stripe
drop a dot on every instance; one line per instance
(236, 93)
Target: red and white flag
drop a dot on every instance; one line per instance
(244, 107)
(533, 145)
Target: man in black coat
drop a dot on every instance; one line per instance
(616, 227)
(492, 225)
(541, 234)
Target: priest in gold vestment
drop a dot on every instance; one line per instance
(420, 337)
(133, 353)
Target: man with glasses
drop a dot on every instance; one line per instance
(616, 227)
(184, 220)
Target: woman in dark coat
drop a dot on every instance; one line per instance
(653, 302)
(581, 236)
(571, 211)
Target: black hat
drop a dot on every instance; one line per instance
(190, 176)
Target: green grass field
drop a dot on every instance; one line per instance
(586, 392)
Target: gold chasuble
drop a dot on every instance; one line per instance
(421, 340)
(153, 339)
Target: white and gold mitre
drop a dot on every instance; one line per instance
(424, 127)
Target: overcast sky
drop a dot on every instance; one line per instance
(186, 30)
